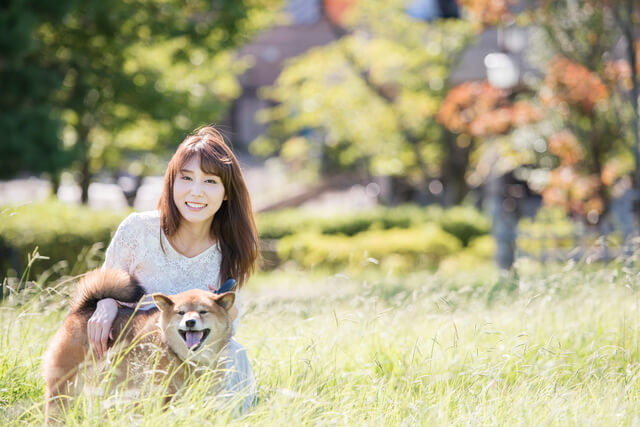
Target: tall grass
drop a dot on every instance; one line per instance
(550, 345)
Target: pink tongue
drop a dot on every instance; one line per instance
(193, 338)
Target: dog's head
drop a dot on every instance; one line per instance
(196, 323)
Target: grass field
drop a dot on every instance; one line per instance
(546, 346)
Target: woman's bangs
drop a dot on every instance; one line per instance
(211, 165)
(181, 158)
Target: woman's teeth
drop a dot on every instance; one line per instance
(196, 205)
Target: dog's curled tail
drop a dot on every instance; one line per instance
(99, 284)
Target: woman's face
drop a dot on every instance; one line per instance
(197, 194)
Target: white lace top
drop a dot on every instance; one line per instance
(135, 248)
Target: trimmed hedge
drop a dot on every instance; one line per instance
(463, 222)
(64, 233)
(402, 237)
(278, 224)
(422, 246)
(466, 223)
(551, 229)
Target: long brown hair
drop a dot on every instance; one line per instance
(233, 225)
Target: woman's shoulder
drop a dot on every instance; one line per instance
(140, 222)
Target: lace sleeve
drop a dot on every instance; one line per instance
(119, 254)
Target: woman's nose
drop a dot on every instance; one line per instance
(196, 189)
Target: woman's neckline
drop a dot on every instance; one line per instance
(180, 254)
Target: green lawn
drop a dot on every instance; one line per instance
(550, 345)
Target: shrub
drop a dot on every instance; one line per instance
(472, 258)
(277, 224)
(465, 223)
(274, 225)
(551, 229)
(406, 248)
(482, 247)
(401, 237)
(61, 232)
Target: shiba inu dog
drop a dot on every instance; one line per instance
(185, 331)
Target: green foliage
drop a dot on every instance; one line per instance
(476, 257)
(466, 223)
(463, 222)
(587, 94)
(126, 77)
(63, 233)
(399, 248)
(550, 229)
(28, 125)
(371, 106)
(400, 237)
(277, 224)
(482, 247)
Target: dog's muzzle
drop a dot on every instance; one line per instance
(194, 339)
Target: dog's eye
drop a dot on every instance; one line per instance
(181, 313)
(203, 312)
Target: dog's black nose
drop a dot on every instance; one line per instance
(190, 323)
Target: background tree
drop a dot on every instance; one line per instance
(475, 112)
(371, 106)
(28, 122)
(137, 75)
(591, 93)
(589, 146)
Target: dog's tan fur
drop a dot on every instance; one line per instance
(68, 360)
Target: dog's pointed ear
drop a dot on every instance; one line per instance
(163, 302)
(226, 300)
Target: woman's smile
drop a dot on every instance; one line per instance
(196, 205)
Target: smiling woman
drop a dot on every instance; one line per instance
(202, 234)
(197, 194)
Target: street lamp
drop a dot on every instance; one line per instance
(502, 73)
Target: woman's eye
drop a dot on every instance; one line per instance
(211, 181)
(186, 178)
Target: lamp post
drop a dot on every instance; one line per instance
(502, 70)
(503, 73)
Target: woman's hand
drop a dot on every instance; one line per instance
(99, 325)
(233, 311)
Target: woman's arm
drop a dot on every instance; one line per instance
(118, 256)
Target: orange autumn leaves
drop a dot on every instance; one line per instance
(571, 84)
(566, 147)
(479, 109)
(576, 192)
(577, 183)
(487, 13)
(570, 185)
